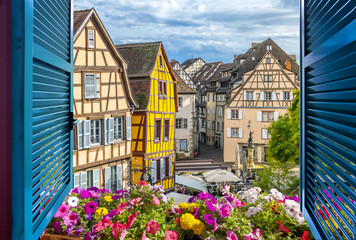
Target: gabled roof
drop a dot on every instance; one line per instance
(81, 17)
(222, 68)
(206, 72)
(258, 51)
(189, 62)
(182, 87)
(141, 57)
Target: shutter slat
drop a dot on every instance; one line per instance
(38, 168)
(119, 177)
(96, 178)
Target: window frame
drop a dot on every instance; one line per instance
(284, 95)
(268, 94)
(268, 113)
(88, 40)
(249, 95)
(180, 102)
(158, 130)
(268, 135)
(166, 129)
(97, 88)
(180, 144)
(116, 127)
(236, 131)
(94, 121)
(268, 60)
(236, 113)
(268, 78)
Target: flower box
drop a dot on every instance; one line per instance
(48, 236)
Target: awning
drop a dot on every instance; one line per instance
(190, 183)
(178, 197)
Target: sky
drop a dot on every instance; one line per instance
(215, 30)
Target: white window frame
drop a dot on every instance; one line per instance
(95, 122)
(268, 78)
(91, 38)
(265, 134)
(96, 86)
(180, 144)
(249, 95)
(268, 96)
(234, 132)
(118, 129)
(286, 95)
(268, 115)
(80, 140)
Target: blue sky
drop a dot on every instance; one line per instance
(212, 29)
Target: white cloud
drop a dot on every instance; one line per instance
(212, 29)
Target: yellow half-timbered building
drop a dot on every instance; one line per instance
(103, 105)
(153, 122)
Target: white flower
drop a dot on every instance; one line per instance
(251, 194)
(73, 201)
(226, 190)
(290, 202)
(298, 215)
(253, 210)
(276, 194)
(164, 197)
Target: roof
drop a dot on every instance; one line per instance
(189, 62)
(258, 51)
(78, 18)
(141, 58)
(182, 87)
(222, 68)
(206, 72)
(223, 90)
(211, 89)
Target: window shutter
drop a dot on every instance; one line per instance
(42, 96)
(80, 135)
(162, 168)
(291, 95)
(119, 177)
(262, 95)
(276, 115)
(106, 131)
(185, 123)
(228, 133)
(111, 130)
(128, 128)
(86, 133)
(281, 96)
(76, 180)
(328, 118)
(91, 38)
(259, 116)
(241, 133)
(107, 179)
(96, 178)
(240, 114)
(153, 171)
(97, 86)
(254, 96)
(274, 96)
(245, 95)
(170, 166)
(83, 180)
(228, 113)
(264, 133)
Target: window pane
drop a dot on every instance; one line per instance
(271, 116)
(264, 116)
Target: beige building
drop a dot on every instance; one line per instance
(186, 137)
(268, 77)
(192, 66)
(210, 114)
(102, 104)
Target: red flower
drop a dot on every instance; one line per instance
(305, 236)
(120, 208)
(117, 228)
(135, 201)
(103, 224)
(152, 227)
(282, 228)
(131, 219)
(142, 183)
(281, 201)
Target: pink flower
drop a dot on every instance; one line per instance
(142, 183)
(155, 200)
(70, 219)
(103, 224)
(131, 219)
(144, 235)
(121, 208)
(135, 201)
(62, 211)
(210, 206)
(237, 203)
(123, 234)
(171, 235)
(117, 228)
(90, 207)
(152, 227)
(230, 235)
(224, 210)
(254, 235)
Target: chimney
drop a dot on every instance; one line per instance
(293, 57)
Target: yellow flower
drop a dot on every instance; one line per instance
(107, 199)
(187, 220)
(101, 211)
(192, 206)
(198, 227)
(183, 205)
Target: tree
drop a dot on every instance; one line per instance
(284, 142)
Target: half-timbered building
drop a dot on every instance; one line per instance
(103, 105)
(268, 77)
(177, 67)
(153, 123)
(193, 65)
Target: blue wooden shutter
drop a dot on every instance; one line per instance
(42, 112)
(328, 117)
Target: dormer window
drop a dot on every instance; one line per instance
(91, 38)
(160, 61)
(268, 60)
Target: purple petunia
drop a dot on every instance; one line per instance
(210, 206)
(79, 231)
(224, 210)
(88, 236)
(57, 226)
(84, 194)
(111, 214)
(95, 189)
(192, 199)
(209, 219)
(62, 211)
(90, 207)
(75, 190)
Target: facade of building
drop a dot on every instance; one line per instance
(177, 67)
(201, 113)
(210, 114)
(153, 123)
(192, 66)
(186, 137)
(102, 104)
(268, 78)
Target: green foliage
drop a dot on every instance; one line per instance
(284, 142)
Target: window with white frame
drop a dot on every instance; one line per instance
(268, 96)
(265, 134)
(234, 114)
(95, 132)
(91, 85)
(91, 38)
(208, 124)
(113, 177)
(269, 47)
(268, 60)
(180, 102)
(249, 95)
(286, 95)
(235, 132)
(118, 128)
(267, 116)
(268, 78)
